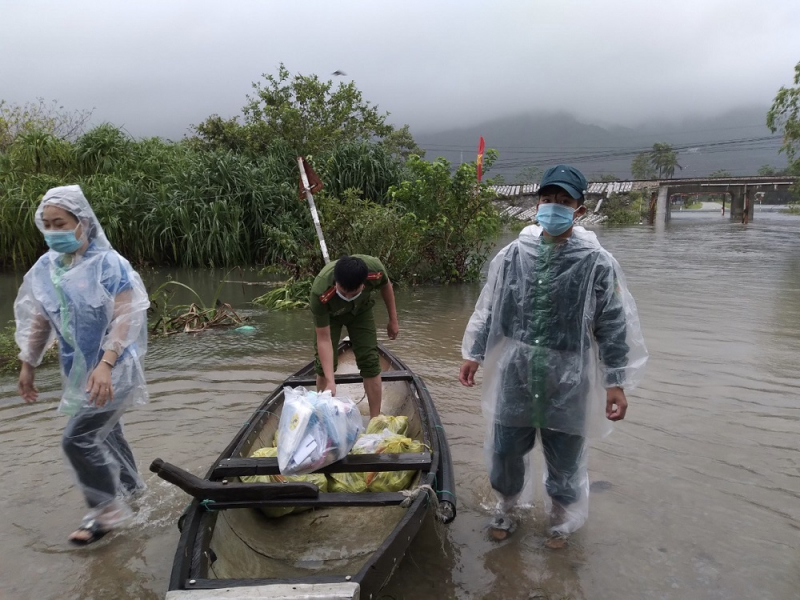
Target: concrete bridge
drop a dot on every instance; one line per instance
(742, 192)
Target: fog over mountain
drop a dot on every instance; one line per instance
(733, 141)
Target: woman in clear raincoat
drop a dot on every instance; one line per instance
(87, 297)
(558, 335)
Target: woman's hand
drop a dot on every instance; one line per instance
(26, 387)
(99, 385)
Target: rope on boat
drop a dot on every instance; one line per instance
(430, 494)
(413, 494)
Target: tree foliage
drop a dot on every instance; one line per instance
(642, 168)
(720, 173)
(308, 114)
(624, 209)
(400, 143)
(664, 159)
(658, 163)
(770, 171)
(229, 195)
(784, 116)
(455, 213)
(42, 116)
(164, 203)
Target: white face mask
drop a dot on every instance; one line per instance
(345, 298)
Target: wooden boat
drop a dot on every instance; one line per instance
(348, 545)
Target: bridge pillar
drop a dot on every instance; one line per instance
(737, 203)
(662, 205)
(750, 204)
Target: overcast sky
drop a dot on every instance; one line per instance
(158, 66)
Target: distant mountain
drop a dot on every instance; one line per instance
(730, 141)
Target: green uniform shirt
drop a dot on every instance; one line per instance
(326, 303)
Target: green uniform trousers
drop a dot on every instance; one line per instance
(363, 336)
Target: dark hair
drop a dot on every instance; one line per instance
(350, 272)
(552, 188)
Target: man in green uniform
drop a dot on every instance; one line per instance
(341, 296)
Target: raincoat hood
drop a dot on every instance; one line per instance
(91, 305)
(71, 199)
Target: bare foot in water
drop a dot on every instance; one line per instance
(556, 542)
(558, 516)
(501, 526)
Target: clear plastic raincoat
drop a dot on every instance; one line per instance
(554, 327)
(90, 301)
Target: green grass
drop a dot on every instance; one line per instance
(9, 363)
(177, 204)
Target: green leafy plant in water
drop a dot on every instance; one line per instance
(167, 319)
(292, 295)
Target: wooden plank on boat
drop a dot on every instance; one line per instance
(352, 463)
(351, 378)
(321, 501)
(203, 489)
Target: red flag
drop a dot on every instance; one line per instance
(314, 182)
(480, 158)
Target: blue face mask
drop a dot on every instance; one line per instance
(62, 241)
(555, 218)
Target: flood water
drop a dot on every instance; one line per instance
(696, 494)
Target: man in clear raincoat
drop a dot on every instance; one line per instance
(559, 338)
(89, 298)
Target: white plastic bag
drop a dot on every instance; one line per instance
(315, 430)
(369, 442)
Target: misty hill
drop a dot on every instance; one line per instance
(544, 139)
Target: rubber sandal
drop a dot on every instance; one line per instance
(95, 530)
(501, 526)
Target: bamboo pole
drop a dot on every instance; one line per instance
(313, 208)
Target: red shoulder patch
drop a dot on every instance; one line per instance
(328, 294)
(375, 276)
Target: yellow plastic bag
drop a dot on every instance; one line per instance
(278, 511)
(393, 481)
(398, 424)
(350, 483)
(380, 481)
(347, 483)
